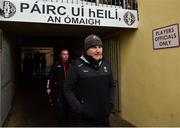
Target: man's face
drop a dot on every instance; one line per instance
(64, 55)
(95, 52)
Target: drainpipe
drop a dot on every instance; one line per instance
(97, 2)
(124, 4)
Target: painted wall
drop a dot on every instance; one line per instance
(6, 78)
(150, 79)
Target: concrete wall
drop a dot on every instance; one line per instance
(150, 79)
(6, 78)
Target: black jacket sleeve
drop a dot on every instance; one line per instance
(69, 88)
(50, 78)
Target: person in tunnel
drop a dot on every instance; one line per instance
(37, 56)
(43, 64)
(89, 87)
(27, 69)
(55, 82)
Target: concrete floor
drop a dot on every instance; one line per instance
(31, 107)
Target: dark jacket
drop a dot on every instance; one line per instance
(56, 79)
(90, 91)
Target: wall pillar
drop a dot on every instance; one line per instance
(6, 76)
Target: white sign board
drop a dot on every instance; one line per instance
(40, 11)
(166, 37)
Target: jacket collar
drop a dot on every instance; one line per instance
(86, 61)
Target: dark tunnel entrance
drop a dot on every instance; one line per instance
(31, 106)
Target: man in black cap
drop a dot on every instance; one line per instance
(89, 87)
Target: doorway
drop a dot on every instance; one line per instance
(112, 53)
(32, 93)
(31, 106)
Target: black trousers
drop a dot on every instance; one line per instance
(82, 121)
(61, 112)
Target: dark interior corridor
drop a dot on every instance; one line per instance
(31, 106)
